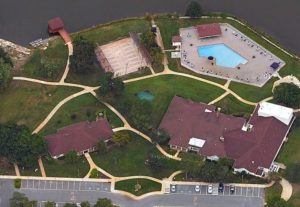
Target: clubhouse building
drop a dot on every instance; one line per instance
(253, 144)
(81, 137)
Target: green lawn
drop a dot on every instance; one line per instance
(164, 88)
(60, 168)
(130, 186)
(290, 152)
(85, 108)
(29, 103)
(230, 105)
(273, 191)
(57, 52)
(33, 171)
(295, 199)
(253, 93)
(130, 160)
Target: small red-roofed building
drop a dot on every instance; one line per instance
(209, 30)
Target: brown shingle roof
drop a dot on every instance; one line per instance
(78, 137)
(185, 119)
(259, 147)
(209, 30)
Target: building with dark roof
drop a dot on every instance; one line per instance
(81, 137)
(253, 144)
(209, 30)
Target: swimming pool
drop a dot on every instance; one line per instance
(224, 56)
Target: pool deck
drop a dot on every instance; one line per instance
(256, 71)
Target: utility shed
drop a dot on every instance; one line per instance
(283, 114)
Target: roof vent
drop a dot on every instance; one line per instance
(222, 139)
(247, 127)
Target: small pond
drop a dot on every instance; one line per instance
(145, 95)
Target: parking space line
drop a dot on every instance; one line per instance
(68, 185)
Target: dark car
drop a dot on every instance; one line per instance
(232, 189)
(221, 188)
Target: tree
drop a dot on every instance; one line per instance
(140, 114)
(287, 94)
(121, 138)
(148, 39)
(5, 57)
(193, 10)
(17, 144)
(20, 200)
(101, 147)
(85, 204)
(5, 76)
(292, 173)
(71, 157)
(50, 204)
(192, 163)
(49, 68)
(212, 172)
(160, 136)
(155, 161)
(82, 60)
(104, 202)
(110, 85)
(226, 162)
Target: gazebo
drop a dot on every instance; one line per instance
(55, 24)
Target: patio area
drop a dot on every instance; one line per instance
(255, 71)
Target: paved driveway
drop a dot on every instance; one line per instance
(239, 191)
(78, 191)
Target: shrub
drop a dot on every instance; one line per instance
(292, 173)
(95, 173)
(288, 94)
(18, 183)
(73, 116)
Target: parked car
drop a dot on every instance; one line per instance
(221, 188)
(197, 188)
(232, 189)
(210, 189)
(173, 188)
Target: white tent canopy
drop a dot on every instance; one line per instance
(283, 114)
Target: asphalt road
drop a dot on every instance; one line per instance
(76, 192)
(25, 21)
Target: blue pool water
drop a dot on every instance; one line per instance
(145, 95)
(224, 56)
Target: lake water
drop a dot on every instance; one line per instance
(24, 21)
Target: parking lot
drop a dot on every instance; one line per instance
(239, 191)
(65, 185)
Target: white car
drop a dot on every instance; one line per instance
(210, 189)
(197, 188)
(173, 188)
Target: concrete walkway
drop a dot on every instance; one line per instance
(17, 170)
(219, 98)
(94, 166)
(66, 72)
(287, 189)
(42, 169)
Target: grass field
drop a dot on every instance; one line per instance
(29, 103)
(57, 53)
(290, 152)
(33, 171)
(85, 108)
(273, 191)
(146, 186)
(130, 159)
(164, 88)
(230, 105)
(60, 168)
